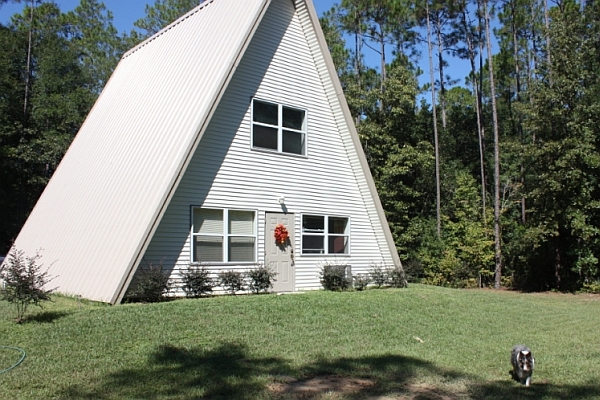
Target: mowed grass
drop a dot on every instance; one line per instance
(418, 343)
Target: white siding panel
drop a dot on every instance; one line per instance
(280, 65)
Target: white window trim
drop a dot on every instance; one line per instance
(279, 128)
(325, 234)
(225, 236)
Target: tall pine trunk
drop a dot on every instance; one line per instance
(480, 132)
(497, 232)
(435, 130)
(28, 66)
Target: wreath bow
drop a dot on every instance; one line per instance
(281, 234)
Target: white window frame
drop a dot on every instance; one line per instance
(325, 234)
(280, 128)
(225, 235)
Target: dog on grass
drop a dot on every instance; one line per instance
(522, 361)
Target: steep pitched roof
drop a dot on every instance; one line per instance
(105, 200)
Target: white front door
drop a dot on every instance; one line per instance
(280, 256)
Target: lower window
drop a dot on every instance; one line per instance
(323, 234)
(222, 235)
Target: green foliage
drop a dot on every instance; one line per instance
(591, 287)
(196, 281)
(232, 281)
(162, 13)
(378, 274)
(397, 277)
(151, 284)
(334, 276)
(261, 278)
(361, 281)
(24, 282)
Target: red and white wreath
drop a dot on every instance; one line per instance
(281, 234)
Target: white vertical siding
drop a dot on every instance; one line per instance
(280, 65)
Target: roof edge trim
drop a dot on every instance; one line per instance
(167, 28)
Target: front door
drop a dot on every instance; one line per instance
(280, 256)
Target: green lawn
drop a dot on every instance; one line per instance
(418, 343)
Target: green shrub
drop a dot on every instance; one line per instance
(197, 281)
(396, 277)
(261, 278)
(232, 281)
(413, 269)
(591, 287)
(378, 274)
(24, 282)
(361, 281)
(151, 284)
(334, 277)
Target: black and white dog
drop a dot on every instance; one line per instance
(522, 361)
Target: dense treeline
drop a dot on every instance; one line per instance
(495, 182)
(491, 183)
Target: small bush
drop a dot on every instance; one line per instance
(396, 277)
(334, 277)
(413, 268)
(24, 282)
(378, 274)
(591, 287)
(261, 278)
(361, 281)
(232, 281)
(197, 281)
(151, 285)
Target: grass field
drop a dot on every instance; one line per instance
(418, 343)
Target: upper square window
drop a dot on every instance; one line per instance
(279, 128)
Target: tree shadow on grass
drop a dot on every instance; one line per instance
(538, 390)
(173, 372)
(230, 372)
(45, 316)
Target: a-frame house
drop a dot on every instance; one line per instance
(226, 123)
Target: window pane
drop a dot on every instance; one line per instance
(264, 137)
(265, 113)
(337, 225)
(312, 223)
(241, 223)
(313, 244)
(208, 248)
(241, 249)
(208, 221)
(293, 118)
(338, 245)
(293, 142)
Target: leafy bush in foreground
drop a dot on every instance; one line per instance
(24, 281)
(197, 281)
(334, 277)
(151, 284)
(261, 278)
(378, 274)
(361, 281)
(232, 281)
(397, 277)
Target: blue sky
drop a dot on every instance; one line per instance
(125, 12)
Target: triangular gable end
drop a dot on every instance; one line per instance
(147, 134)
